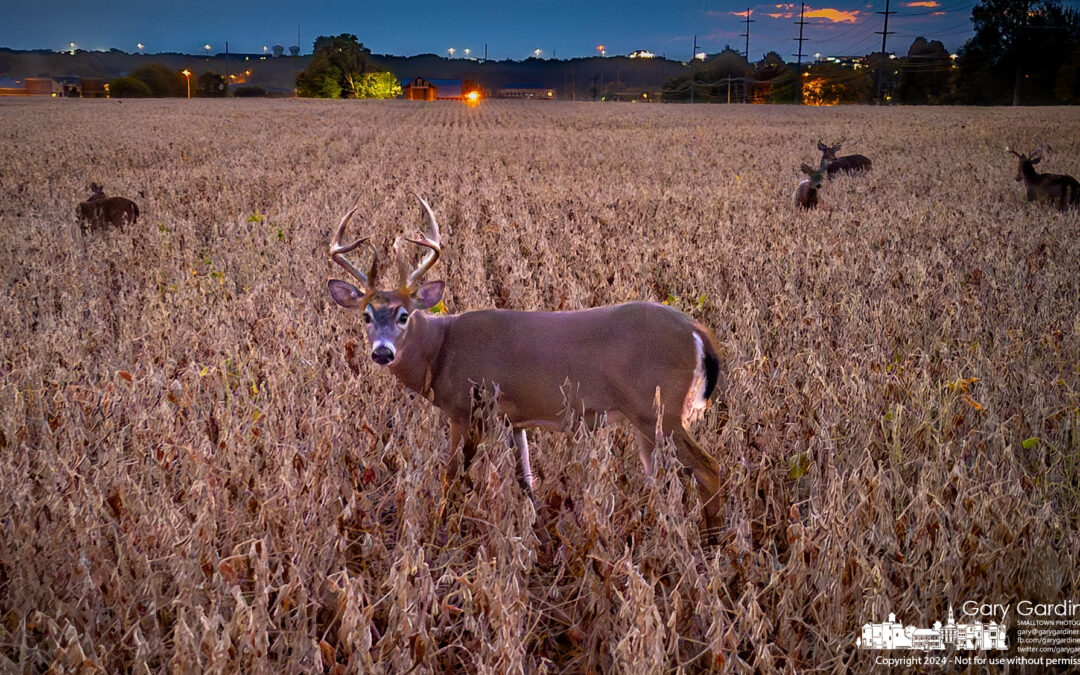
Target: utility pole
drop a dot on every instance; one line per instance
(226, 67)
(746, 35)
(693, 58)
(884, 33)
(798, 68)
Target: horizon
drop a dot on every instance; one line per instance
(561, 30)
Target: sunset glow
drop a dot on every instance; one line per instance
(923, 3)
(834, 15)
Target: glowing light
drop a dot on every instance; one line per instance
(602, 49)
(537, 53)
(923, 3)
(473, 96)
(187, 75)
(451, 50)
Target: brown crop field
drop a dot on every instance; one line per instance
(203, 471)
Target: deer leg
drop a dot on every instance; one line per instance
(521, 447)
(706, 471)
(646, 444)
(460, 435)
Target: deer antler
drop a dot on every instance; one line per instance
(337, 251)
(430, 240)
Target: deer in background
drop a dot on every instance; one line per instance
(806, 194)
(1056, 188)
(851, 164)
(551, 370)
(100, 211)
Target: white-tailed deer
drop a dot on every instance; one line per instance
(1056, 188)
(551, 370)
(848, 163)
(99, 211)
(806, 194)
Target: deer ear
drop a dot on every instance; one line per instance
(428, 295)
(345, 294)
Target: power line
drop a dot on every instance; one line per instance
(799, 54)
(747, 21)
(885, 33)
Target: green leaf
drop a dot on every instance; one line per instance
(1029, 443)
(799, 467)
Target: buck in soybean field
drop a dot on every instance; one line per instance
(806, 195)
(99, 211)
(552, 370)
(1056, 188)
(851, 164)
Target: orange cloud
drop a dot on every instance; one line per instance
(923, 3)
(745, 12)
(834, 15)
(787, 6)
(781, 15)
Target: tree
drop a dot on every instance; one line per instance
(128, 87)
(162, 80)
(382, 84)
(925, 73)
(1018, 46)
(210, 85)
(335, 69)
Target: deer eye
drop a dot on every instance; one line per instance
(368, 318)
(402, 317)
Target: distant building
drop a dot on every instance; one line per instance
(642, 54)
(421, 89)
(43, 86)
(526, 91)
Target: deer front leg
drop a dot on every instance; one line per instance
(521, 446)
(459, 435)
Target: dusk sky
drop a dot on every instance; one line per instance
(560, 28)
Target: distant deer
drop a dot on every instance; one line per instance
(100, 211)
(851, 164)
(553, 370)
(1056, 188)
(806, 195)
(97, 193)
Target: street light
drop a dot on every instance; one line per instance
(466, 52)
(602, 50)
(207, 48)
(139, 46)
(187, 75)
(72, 45)
(451, 50)
(536, 53)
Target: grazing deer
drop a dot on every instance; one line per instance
(851, 164)
(99, 211)
(551, 370)
(806, 195)
(1056, 188)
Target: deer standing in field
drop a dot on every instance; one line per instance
(100, 211)
(806, 194)
(850, 164)
(552, 370)
(1059, 188)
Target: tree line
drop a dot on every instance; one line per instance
(1023, 52)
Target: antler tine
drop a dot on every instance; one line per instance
(429, 239)
(337, 251)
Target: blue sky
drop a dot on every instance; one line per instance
(559, 28)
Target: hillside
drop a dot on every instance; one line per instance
(574, 78)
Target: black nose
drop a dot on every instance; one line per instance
(382, 356)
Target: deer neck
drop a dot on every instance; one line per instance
(1030, 174)
(414, 365)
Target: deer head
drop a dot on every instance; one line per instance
(387, 312)
(828, 152)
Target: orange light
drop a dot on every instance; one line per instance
(473, 96)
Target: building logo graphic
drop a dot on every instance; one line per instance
(970, 636)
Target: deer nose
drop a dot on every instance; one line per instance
(382, 355)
